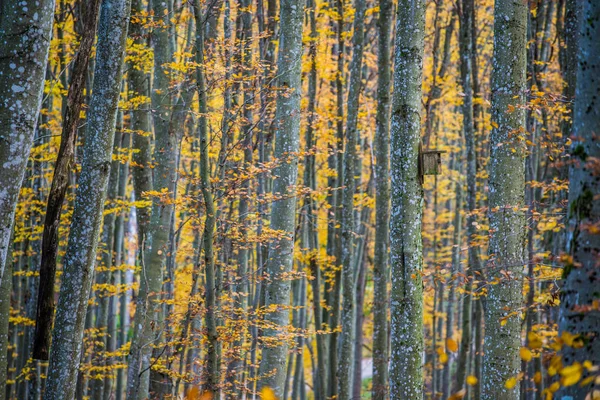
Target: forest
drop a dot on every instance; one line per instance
(300, 199)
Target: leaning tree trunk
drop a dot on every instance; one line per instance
(506, 202)
(406, 364)
(578, 316)
(25, 34)
(80, 257)
(382, 206)
(283, 215)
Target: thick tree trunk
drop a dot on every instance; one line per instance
(60, 182)
(287, 142)
(580, 276)
(406, 364)
(80, 257)
(25, 34)
(506, 202)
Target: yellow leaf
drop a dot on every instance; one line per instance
(526, 354)
(194, 394)
(451, 345)
(571, 374)
(443, 358)
(267, 394)
(510, 383)
(537, 378)
(471, 380)
(535, 342)
(494, 125)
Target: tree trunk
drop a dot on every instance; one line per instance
(506, 201)
(580, 275)
(25, 32)
(406, 366)
(80, 257)
(345, 362)
(382, 206)
(283, 213)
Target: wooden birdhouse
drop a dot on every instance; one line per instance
(430, 162)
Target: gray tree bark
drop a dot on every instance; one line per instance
(580, 276)
(346, 355)
(287, 142)
(80, 257)
(506, 201)
(382, 206)
(25, 34)
(406, 364)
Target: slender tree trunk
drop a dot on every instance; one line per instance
(506, 201)
(279, 263)
(580, 275)
(466, 72)
(310, 181)
(382, 206)
(80, 257)
(345, 363)
(21, 86)
(211, 369)
(5, 291)
(406, 367)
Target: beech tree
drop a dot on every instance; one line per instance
(506, 202)
(25, 33)
(406, 366)
(80, 258)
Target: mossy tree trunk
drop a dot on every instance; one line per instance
(406, 359)
(580, 277)
(80, 257)
(506, 202)
(283, 214)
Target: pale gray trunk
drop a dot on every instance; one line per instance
(25, 34)
(506, 202)
(79, 261)
(406, 364)
(283, 215)
(580, 276)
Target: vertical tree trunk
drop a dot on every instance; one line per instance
(287, 120)
(406, 367)
(60, 181)
(382, 205)
(310, 180)
(345, 363)
(25, 34)
(80, 257)
(211, 367)
(466, 73)
(5, 291)
(580, 276)
(506, 202)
